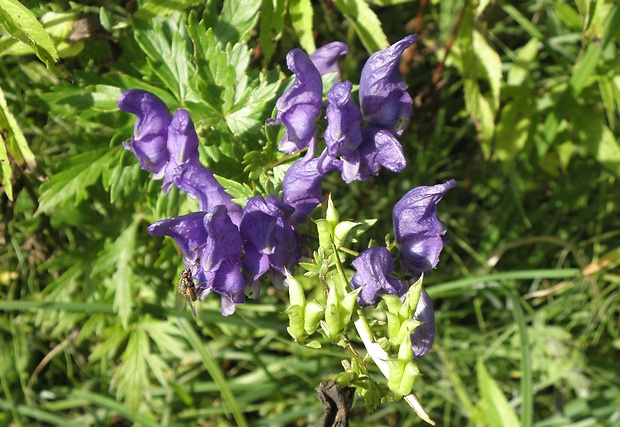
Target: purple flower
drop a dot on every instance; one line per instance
(418, 231)
(148, 141)
(423, 336)
(212, 248)
(379, 148)
(384, 100)
(300, 105)
(374, 267)
(268, 235)
(326, 57)
(343, 134)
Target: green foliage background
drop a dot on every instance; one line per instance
(518, 101)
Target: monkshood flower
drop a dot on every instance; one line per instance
(300, 105)
(326, 58)
(343, 134)
(150, 134)
(379, 148)
(212, 249)
(269, 239)
(384, 100)
(419, 234)
(302, 184)
(423, 336)
(374, 267)
(168, 147)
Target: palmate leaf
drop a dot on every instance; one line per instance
(168, 53)
(131, 379)
(236, 20)
(77, 174)
(271, 25)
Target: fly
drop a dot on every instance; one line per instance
(186, 292)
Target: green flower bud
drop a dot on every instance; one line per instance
(296, 323)
(408, 380)
(312, 316)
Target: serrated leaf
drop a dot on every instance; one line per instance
(22, 153)
(497, 410)
(250, 115)
(75, 176)
(236, 189)
(301, 13)
(119, 254)
(131, 379)
(168, 53)
(20, 23)
(366, 24)
(236, 20)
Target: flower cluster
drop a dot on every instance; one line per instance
(229, 248)
(226, 248)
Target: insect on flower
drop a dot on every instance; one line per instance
(186, 292)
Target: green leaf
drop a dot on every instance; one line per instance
(75, 176)
(249, 114)
(519, 69)
(389, 2)
(5, 170)
(236, 20)
(164, 42)
(122, 251)
(271, 26)
(238, 191)
(20, 23)
(569, 16)
(149, 9)
(16, 139)
(213, 368)
(301, 14)
(597, 138)
(583, 73)
(366, 24)
(513, 129)
(131, 379)
(497, 411)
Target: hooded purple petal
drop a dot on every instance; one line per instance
(197, 181)
(268, 236)
(182, 145)
(300, 105)
(418, 231)
(187, 230)
(384, 100)
(374, 267)
(343, 134)
(326, 57)
(379, 148)
(423, 336)
(148, 141)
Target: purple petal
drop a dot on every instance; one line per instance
(223, 239)
(343, 134)
(187, 230)
(148, 141)
(379, 148)
(267, 232)
(423, 336)
(374, 267)
(301, 187)
(197, 181)
(300, 105)
(326, 57)
(182, 145)
(384, 100)
(417, 229)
